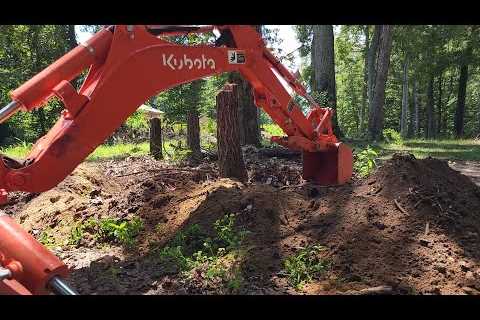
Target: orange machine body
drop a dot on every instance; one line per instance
(129, 65)
(31, 264)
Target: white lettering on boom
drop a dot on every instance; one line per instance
(176, 63)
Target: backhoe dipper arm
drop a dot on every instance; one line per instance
(127, 65)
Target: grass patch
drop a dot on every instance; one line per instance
(305, 265)
(466, 149)
(17, 152)
(76, 235)
(273, 130)
(46, 238)
(119, 151)
(443, 149)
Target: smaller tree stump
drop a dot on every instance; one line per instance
(156, 138)
(230, 158)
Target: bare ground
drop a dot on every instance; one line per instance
(413, 225)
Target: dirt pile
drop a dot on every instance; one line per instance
(413, 225)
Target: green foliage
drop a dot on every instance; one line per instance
(179, 152)
(138, 121)
(365, 161)
(116, 230)
(209, 127)
(226, 234)
(392, 136)
(76, 235)
(192, 249)
(25, 50)
(305, 265)
(46, 238)
(273, 130)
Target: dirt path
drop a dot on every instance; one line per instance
(468, 168)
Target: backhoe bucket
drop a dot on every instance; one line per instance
(330, 167)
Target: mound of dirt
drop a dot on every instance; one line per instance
(412, 226)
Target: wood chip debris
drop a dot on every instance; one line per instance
(399, 207)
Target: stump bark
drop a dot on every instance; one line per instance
(156, 138)
(230, 158)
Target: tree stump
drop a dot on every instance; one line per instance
(230, 158)
(156, 138)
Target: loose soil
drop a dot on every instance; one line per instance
(413, 225)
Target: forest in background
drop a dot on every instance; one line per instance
(420, 81)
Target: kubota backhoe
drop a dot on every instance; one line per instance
(128, 64)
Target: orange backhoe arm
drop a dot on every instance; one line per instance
(126, 66)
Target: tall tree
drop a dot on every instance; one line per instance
(404, 116)
(430, 121)
(361, 116)
(416, 122)
(371, 65)
(193, 118)
(462, 90)
(376, 119)
(323, 62)
(71, 36)
(439, 105)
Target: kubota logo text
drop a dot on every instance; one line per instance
(179, 63)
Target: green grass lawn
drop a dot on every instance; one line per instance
(420, 148)
(444, 149)
(104, 151)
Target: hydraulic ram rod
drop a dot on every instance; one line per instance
(60, 287)
(9, 110)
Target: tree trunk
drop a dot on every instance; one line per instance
(72, 37)
(193, 132)
(371, 61)
(411, 118)
(249, 115)
(376, 118)
(462, 91)
(361, 116)
(324, 69)
(450, 91)
(439, 106)
(429, 132)
(156, 138)
(478, 114)
(403, 118)
(40, 112)
(193, 119)
(230, 158)
(416, 128)
(72, 44)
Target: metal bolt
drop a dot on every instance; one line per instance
(5, 274)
